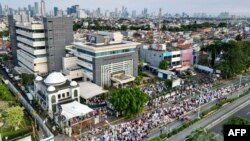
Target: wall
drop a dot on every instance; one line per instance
(98, 62)
(69, 62)
(152, 57)
(59, 34)
(187, 57)
(12, 29)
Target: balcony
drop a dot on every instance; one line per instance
(30, 34)
(29, 59)
(85, 64)
(84, 56)
(88, 74)
(31, 50)
(31, 43)
(31, 26)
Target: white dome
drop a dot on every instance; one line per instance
(39, 78)
(51, 89)
(55, 78)
(73, 83)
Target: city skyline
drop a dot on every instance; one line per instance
(212, 7)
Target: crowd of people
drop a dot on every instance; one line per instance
(154, 89)
(187, 97)
(97, 100)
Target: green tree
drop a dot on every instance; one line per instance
(4, 33)
(27, 78)
(163, 65)
(14, 116)
(222, 25)
(124, 27)
(238, 37)
(138, 79)
(164, 28)
(202, 135)
(76, 26)
(233, 60)
(168, 83)
(236, 121)
(5, 93)
(129, 101)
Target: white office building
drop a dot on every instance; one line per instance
(106, 59)
(31, 52)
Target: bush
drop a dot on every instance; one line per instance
(156, 139)
(163, 135)
(16, 134)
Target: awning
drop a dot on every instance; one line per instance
(123, 78)
(89, 90)
(74, 109)
(166, 72)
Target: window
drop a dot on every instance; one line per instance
(75, 93)
(53, 99)
(59, 96)
(67, 94)
(63, 95)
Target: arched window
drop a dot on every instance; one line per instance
(75, 93)
(53, 99)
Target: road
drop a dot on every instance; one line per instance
(177, 123)
(244, 112)
(226, 110)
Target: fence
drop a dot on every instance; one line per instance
(49, 136)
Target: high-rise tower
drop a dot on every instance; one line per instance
(43, 12)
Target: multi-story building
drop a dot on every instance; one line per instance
(39, 45)
(176, 57)
(106, 59)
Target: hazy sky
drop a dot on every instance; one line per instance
(239, 7)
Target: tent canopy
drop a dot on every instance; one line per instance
(89, 90)
(74, 109)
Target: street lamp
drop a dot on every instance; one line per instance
(199, 108)
(199, 105)
(239, 84)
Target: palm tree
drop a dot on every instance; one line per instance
(202, 135)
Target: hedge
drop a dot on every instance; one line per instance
(16, 134)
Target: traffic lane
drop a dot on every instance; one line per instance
(192, 114)
(206, 121)
(244, 112)
(177, 123)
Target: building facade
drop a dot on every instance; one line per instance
(176, 57)
(58, 34)
(39, 45)
(55, 89)
(107, 59)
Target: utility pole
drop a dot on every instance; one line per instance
(199, 106)
(239, 84)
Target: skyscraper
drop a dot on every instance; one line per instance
(36, 9)
(160, 13)
(55, 11)
(145, 13)
(1, 9)
(43, 12)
